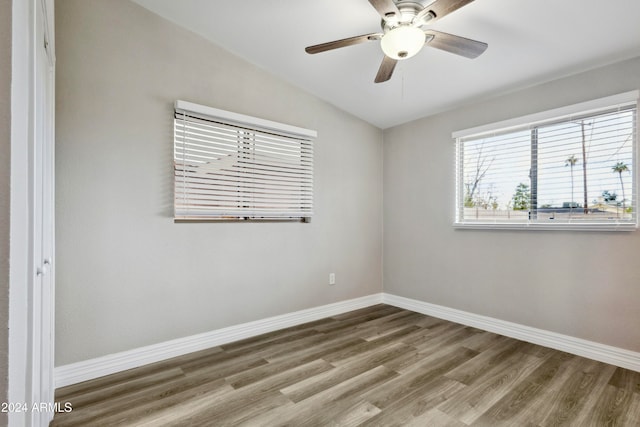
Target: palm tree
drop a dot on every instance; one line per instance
(619, 168)
(571, 161)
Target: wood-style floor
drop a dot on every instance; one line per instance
(379, 366)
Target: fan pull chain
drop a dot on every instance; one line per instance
(402, 84)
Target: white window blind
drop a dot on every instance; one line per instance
(571, 171)
(232, 166)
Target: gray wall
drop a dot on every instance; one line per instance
(576, 283)
(127, 275)
(5, 190)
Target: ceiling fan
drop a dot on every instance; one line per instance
(403, 35)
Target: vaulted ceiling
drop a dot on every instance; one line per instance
(530, 41)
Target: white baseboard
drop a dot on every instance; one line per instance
(589, 349)
(112, 363)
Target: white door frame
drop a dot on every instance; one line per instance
(31, 282)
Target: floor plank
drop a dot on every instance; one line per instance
(378, 366)
(470, 403)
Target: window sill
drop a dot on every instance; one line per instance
(630, 226)
(240, 219)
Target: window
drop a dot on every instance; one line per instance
(230, 166)
(571, 168)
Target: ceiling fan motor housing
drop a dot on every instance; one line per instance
(408, 11)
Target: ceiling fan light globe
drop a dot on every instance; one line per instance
(402, 42)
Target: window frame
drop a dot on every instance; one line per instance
(251, 134)
(532, 121)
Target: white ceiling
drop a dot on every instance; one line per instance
(530, 41)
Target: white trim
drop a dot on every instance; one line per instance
(585, 226)
(587, 107)
(244, 119)
(19, 388)
(601, 352)
(112, 363)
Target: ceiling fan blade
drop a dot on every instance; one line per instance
(386, 69)
(441, 8)
(342, 43)
(455, 44)
(387, 9)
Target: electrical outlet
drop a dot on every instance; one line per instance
(332, 278)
